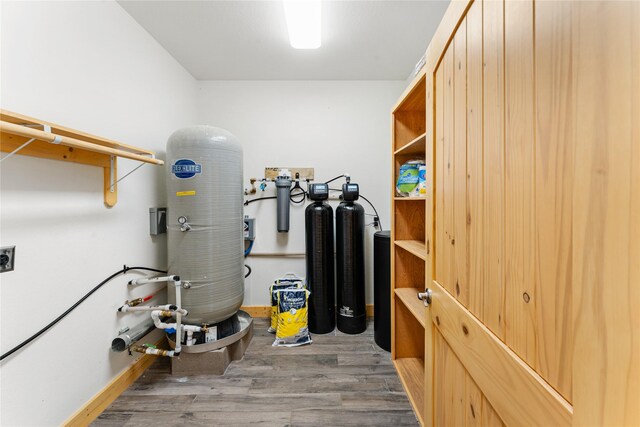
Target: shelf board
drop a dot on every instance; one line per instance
(411, 373)
(416, 146)
(409, 297)
(415, 247)
(409, 198)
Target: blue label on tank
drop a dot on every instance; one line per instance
(185, 168)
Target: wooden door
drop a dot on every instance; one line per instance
(534, 214)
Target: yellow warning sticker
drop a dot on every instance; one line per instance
(186, 193)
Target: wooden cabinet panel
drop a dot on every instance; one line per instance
(460, 284)
(489, 416)
(519, 395)
(493, 298)
(475, 196)
(438, 193)
(458, 399)
(520, 221)
(535, 213)
(473, 402)
(554, 151)
(606, 213)
(449, 386)
(448, 253)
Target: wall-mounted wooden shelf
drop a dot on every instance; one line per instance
(52, 141)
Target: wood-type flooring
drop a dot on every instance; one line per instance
(338, 380)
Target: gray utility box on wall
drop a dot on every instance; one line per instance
(157, 221)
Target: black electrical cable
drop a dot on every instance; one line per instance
(333, 179)
(70, 309)
(302, 193)
(370, 204)
(374, 209)
(248, 272)
(247, 202)
(292, 197)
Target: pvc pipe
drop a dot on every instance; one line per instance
(190, 338)
(125, 340)
(156, 314)
(178, 286)
(146, 280)
(169, 307)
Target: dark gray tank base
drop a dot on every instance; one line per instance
(352, 325)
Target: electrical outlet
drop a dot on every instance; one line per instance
(7, 258)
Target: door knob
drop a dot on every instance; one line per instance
(425, 297)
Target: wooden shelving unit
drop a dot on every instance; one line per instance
(38, 138)
(409, 255)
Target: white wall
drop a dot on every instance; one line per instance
(89, 66)
(332, 126)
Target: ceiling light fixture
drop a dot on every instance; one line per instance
(303, 22)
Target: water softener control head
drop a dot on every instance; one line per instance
(318, 192)
(350, 192)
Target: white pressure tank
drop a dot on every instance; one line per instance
(205, 222)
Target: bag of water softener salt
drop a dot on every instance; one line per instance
(408, 178)
(280, 284)
(293, 328)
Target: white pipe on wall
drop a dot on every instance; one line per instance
(169, 307)
(146, 280)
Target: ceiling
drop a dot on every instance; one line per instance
(247, 40)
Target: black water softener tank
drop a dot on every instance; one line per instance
(319, 254)
(351, 314)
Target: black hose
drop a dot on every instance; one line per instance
(293, 195)
(333, 179)
(70, 309)
(248, 272)
(247, 202)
